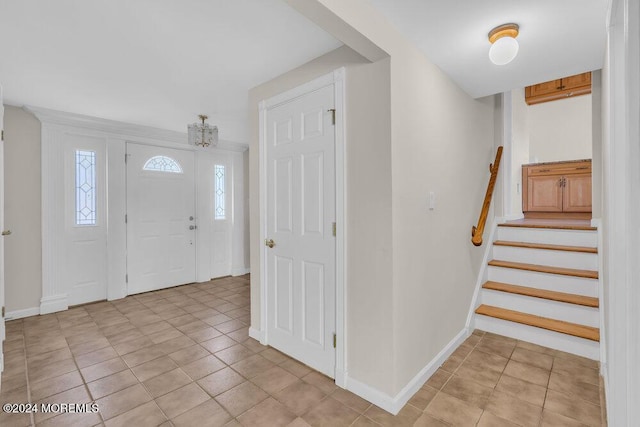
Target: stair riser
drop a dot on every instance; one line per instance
(543, 337)
(548, 236)
(551, 282)
(565, 259)
(581, 315)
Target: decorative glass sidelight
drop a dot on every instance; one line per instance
(85, 187)
(162, 164)
(219, 210)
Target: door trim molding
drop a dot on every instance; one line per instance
(54, 125)
(337, 80)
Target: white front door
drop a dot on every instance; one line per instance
(160, 218)
(300, 267)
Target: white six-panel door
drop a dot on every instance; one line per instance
(160, 217)
(300, 267)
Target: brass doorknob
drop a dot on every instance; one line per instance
(6, 232)
(269, 242)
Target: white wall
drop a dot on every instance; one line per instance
(620, 213)
(441, 140)
(596, 136)
(555, 130)
(520, 147)
(560, 130)
(23, 249)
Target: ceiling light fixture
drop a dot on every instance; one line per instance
(203, 134)
(504, 46)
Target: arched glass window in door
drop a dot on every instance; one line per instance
(162, 164)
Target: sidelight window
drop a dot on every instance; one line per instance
(219, 208)
(85, 187)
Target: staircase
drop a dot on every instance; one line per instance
(541, 286)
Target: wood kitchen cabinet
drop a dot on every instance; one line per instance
(557, 189)
(580, 84)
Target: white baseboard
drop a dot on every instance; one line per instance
(240, 271)
(53, 304)
(371, 394)
(482, 273)
(341, 378)
(257, 334)
(604, 372)
(19, 314)
(395, 404)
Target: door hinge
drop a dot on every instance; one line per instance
(125, 157)
(333, 115)
(334, 228)
(334, 340)
(126, 278)
(126, 218)
(2, 136)
(3, 311)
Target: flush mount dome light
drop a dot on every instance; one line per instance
(504, 46)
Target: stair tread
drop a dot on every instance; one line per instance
(589, 274)
(561, 326)
(530, 245)
(542, 293)
(551, 226)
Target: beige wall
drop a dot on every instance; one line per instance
(556, 130)
(368, 204)
(23, 249)
(442, 141)
(414, 276)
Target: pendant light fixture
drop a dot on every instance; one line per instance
(504, 46)
(203, 134)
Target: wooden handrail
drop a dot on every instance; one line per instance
(476, 232)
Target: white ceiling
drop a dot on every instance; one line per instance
(152, 62)
(557, 38)
(162, 62)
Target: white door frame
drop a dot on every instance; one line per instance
(337, 79)
(54, 125)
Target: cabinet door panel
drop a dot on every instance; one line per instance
(577, 193)
(579, 80)
(545, 88)
(544, 194)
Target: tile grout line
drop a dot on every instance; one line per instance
(84, 382)
(26, 373)
(452, 374)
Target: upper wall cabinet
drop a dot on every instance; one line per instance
(580, 84)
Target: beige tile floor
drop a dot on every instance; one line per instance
(182, 357)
